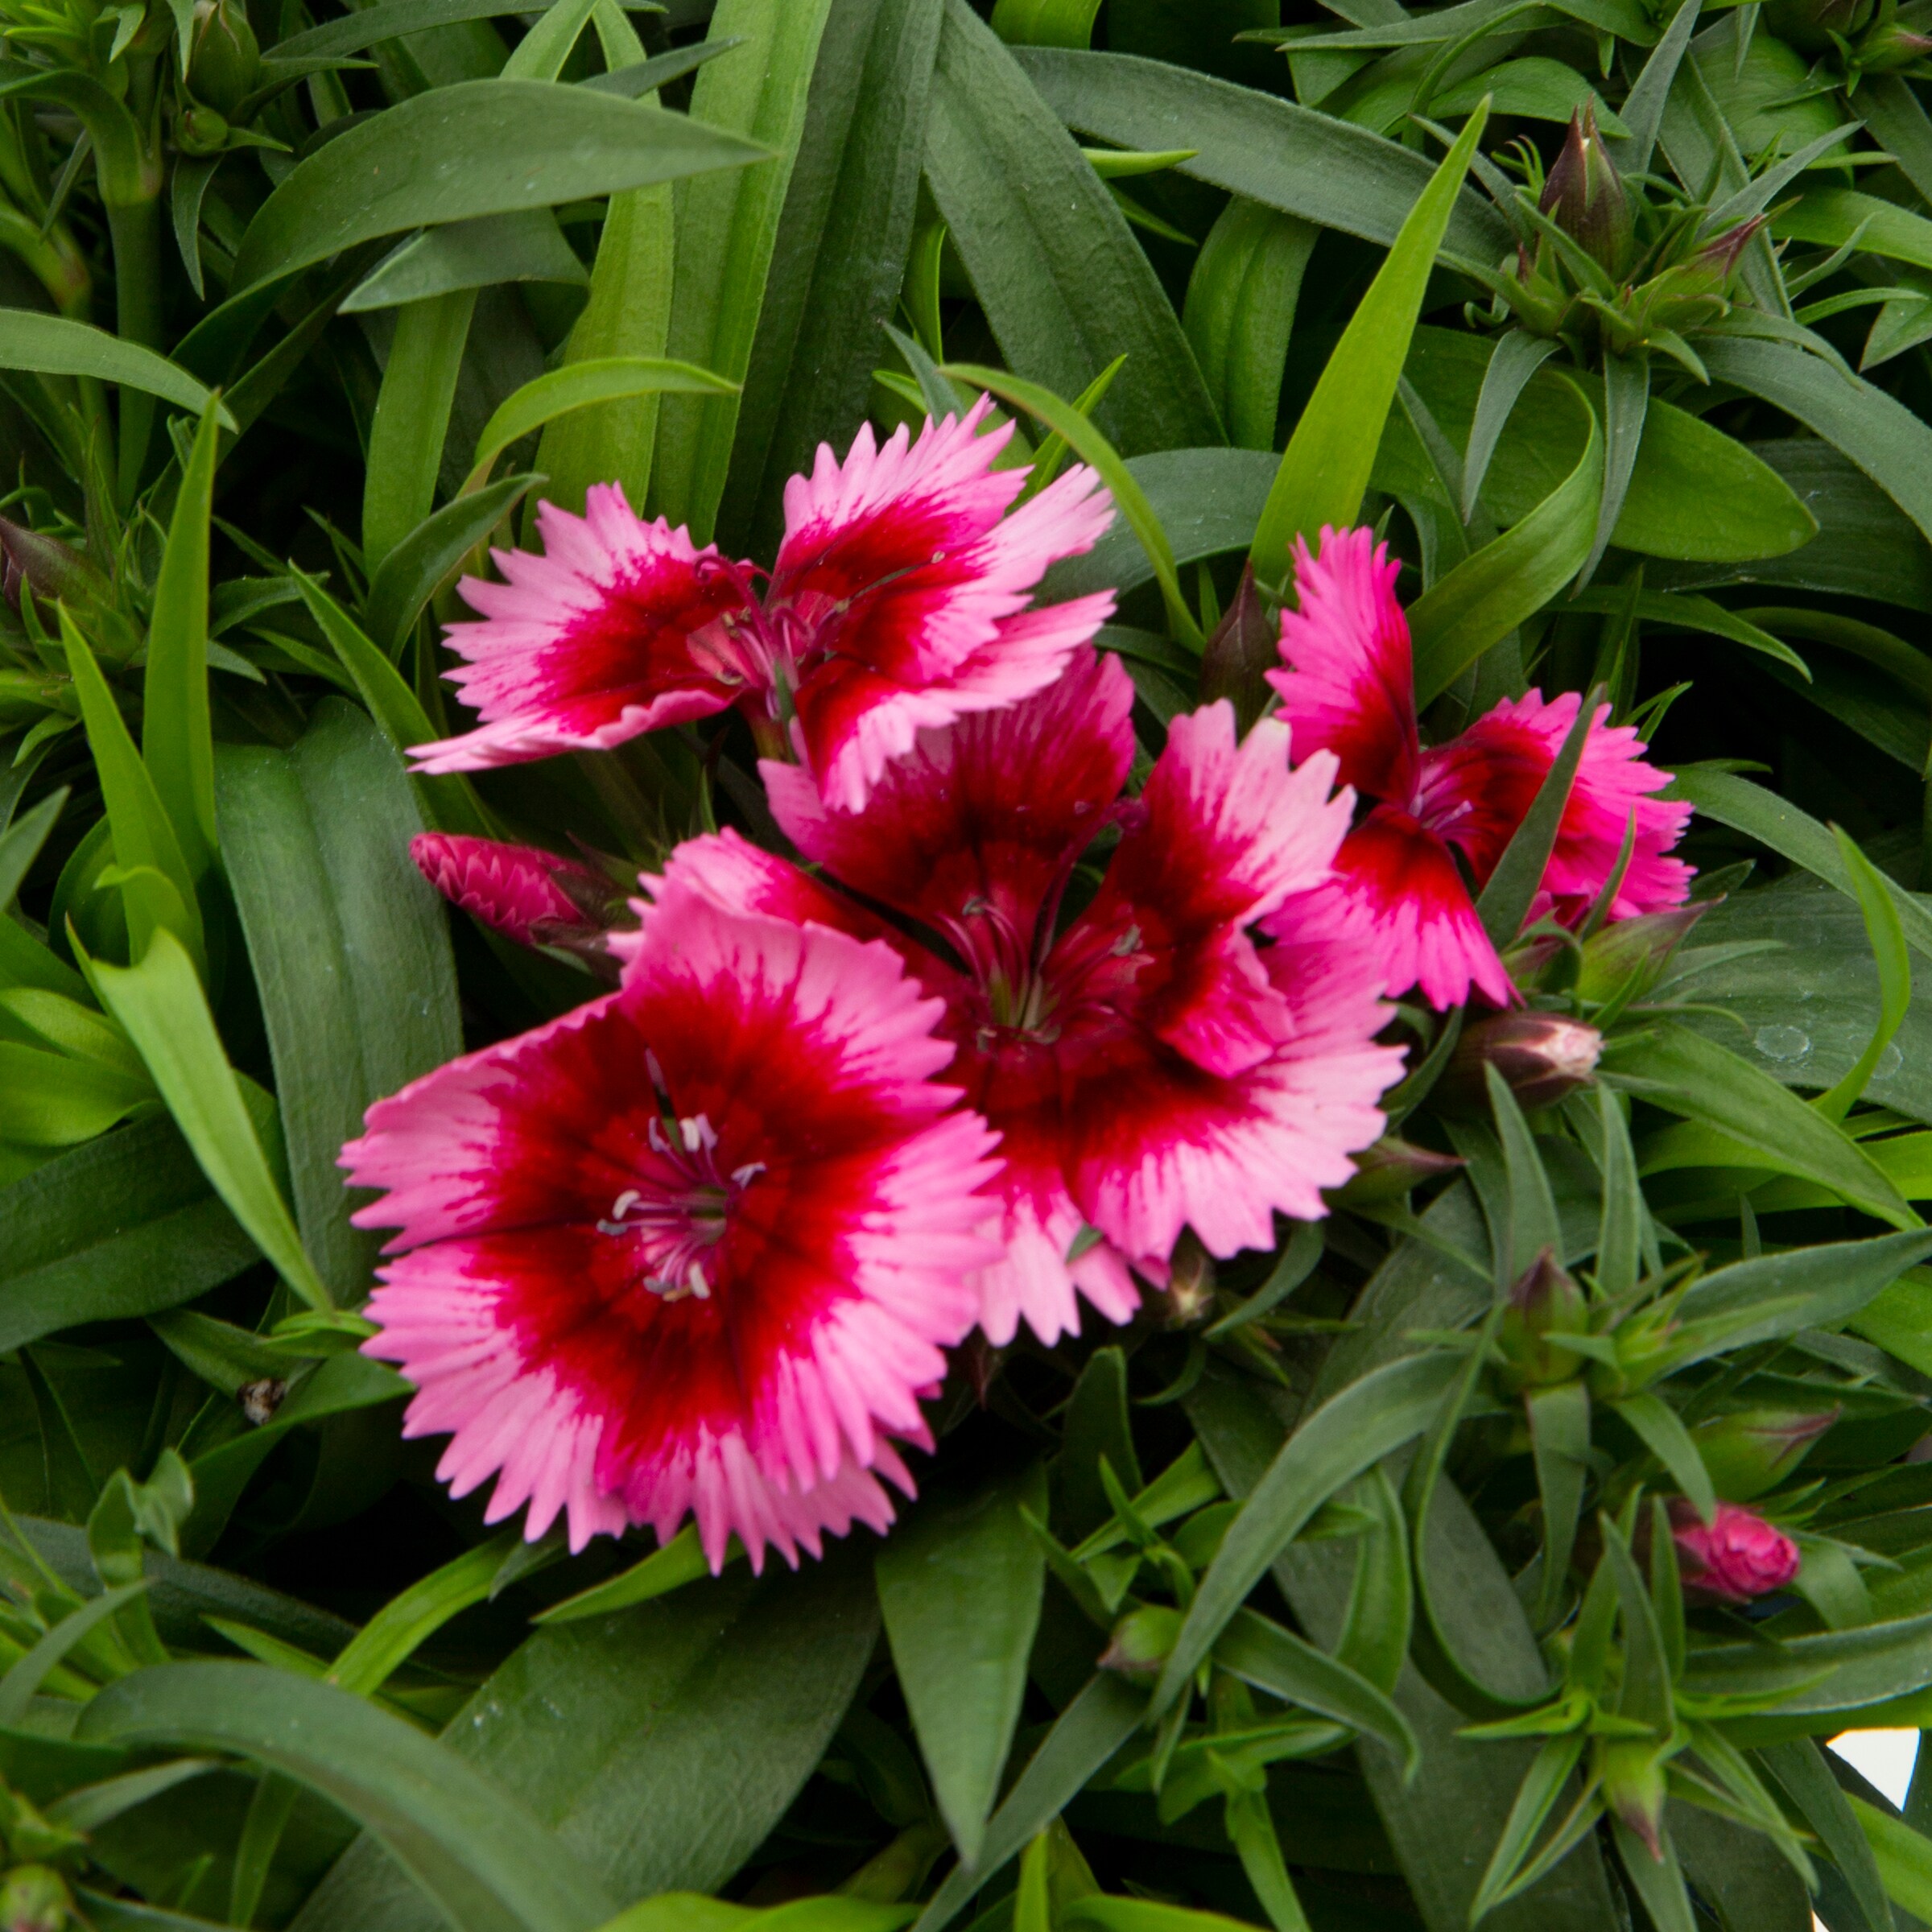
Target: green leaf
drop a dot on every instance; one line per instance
(1794, 835)
(727, 228)
(449, 803)
(1326, 467)
(1065, 285)
(417, 565)
(407, 434)
(628, 314)
(29, 1672)
(672, 1566)
(540, 55)
(406, 1622)
(1695, 493)
(1271, 150)
(1688, 1074)
(1890, 444)
(1345, 1436)
(1240, 312)
(628, 1735)
(839, 258)
(160, 1004)
(1087, 441)
(391, 20)
(484, 1860)
(144, 833)
(1771, 1296)
(52, 345)
(51, 1100)
(960, 1585)
(1274, 1660)
(350, 950)
(1518, 357)
(1656, 1425)
(1800, 1768)
(1901, 1856)
(121, 1227)
(479, 147)
(1559, 1442)
(177, 740)
(527, 246)
(1086, 1735)
(1888, 938)
(581, 385)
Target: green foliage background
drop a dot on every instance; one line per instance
(297, 314)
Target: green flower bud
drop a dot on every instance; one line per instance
(34, 1898)
(1584, 196)
(1811, 26)
(1633, 1787)
(1753, 1450)
(226, 58)
(1142, 1639)
(1647, 942)
(1546, 1304)
(200, 130)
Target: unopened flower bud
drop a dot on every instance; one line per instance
(1244, 647)
(1641, 946)
(1890, 46)
(50, 568)
(1542, 1056)
(226, 57)
(200, 130)
(1634, 1788)
(1811, 26)
(1718, 257)
(1735, 1557)
(1753, 1450)
(1190, 1282)
(1142, 1639)
(533, 896)
(1584, 196)
(34, 1898)
(1544, 1303)
(1389, 1169)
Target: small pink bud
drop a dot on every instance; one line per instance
(1749, 1450)
(1584, 196)
(533, 896)
(1733, 1558)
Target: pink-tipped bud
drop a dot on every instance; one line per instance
(34, 1898)
(1634, 1786)
(1389, 1169)
(1890, 46)
(1542, 1056)
(1750, 1451)
(50, 568)
(1141, 1640)
(1244, 647)
(1812, 26)
(1584, 196)
(1718, 256)
(1641, 946)
(1734, 1557)
(533, 896)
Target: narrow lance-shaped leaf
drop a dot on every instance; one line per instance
(1326, 467)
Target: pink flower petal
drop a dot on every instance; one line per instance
(551, 1217)
(977, 826)
(619, 627)
(1350, 687)
(1158, 1144)
(903, 574)
(1226, 832)
(1475, 790)
(1398, 888)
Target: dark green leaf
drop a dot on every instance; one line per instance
(416, 568)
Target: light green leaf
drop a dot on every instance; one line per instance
(160, 1004)
(417, 567)
(1888, 938)
(177, 739)
(726, 228)
(411, 420)
(1327, 466)
(52, 345)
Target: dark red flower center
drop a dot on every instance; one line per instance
(679, 1209)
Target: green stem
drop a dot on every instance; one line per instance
(135, 226)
